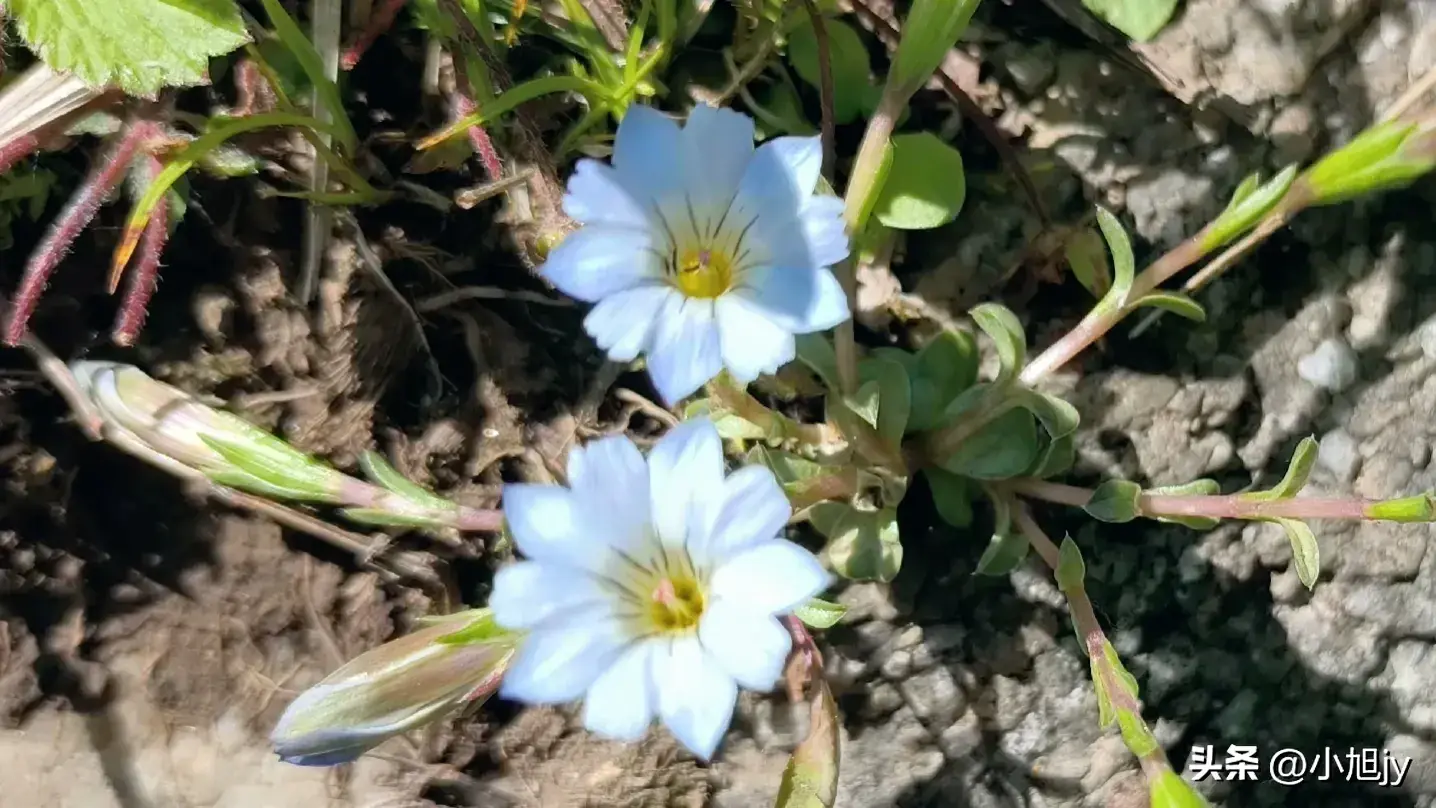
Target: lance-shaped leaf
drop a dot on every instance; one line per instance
(1124, 265)
(1297, 473)
(951, 495)
(1175, 302)
(1252, 200)
(1071, 569)
(1196, 488)
(1087, 255)
(399, 686)
(275, 462)
(1305, 552)
(1002, 449)
(1379, 159)
(810, 779)
(1169, 790)
(1115, 501)
(1120, 678)
(863, 545)
(931, 29)
(1008, 547)
(894, 396)
(1005, 331)
(820, 614)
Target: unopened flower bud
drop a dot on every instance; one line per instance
(399, 686)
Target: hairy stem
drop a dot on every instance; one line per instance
(380, 20)
(464, 106)
(145, 274)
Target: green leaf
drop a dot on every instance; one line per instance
(481, 627)
(894, 395)
(276, 464)
(1057, 458)
(1419, 508)
(951, 495)
(1251, 201)
(1196, 488)
(1002, 449)
(1297, 473)
(1125, 680)
(848, 60)
(303, 50)
(1007, 548)
(810, 780)
(1071, 569)
(1375, 161)
(949, 364)
(1176, 303)
(379, 472)
(931, 29)
(786, 466)
(1124, 266)
(1138, 19)
(729, 425)
(244, 481)
(816, 351)
(862, 434)
(1139, 739)
(863, 545)
(139, 46)
(1087, 255)
(1005, 331)
(1115, 501)
(1058, 417)
(1169, 790)
(818, 613)
(382, 518)
(925, 186)
(1305, 553)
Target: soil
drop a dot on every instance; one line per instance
(149, 638)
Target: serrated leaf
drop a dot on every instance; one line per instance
(1002, 449)
(138, 46)
(1124, 265)
(951, 495)
(1007, 335)
(1250, 202)
(816, 351)
(1305, 552)
(894, 396)
(1057, 458)
(925, 185)
(1138, 19)
(810, 780)
(820, 614)
(1071, 569)
(865, 545)
(1115, 501)
(944, 368)
(1058, 417)
(1296, 475)
(1175, 302)
(847, 60)
(1086, 254)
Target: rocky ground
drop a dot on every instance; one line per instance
(147, 642)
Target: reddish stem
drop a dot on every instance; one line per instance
(145, 274)
(1228, 506)
(74, 218)
(479, 139)
(380, 21)
(17, 150)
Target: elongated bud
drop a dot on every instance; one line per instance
(1169, 790)
(169, 422)
(399, 686)
(1388, 156)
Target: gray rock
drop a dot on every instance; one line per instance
(1386, 550)
(1420, 755)
(1337, 453)
(1330, 642)
(887, 759)
(1331, 366)
(1411, 669)
(962, 738)
(934, 696)
(1400, 610)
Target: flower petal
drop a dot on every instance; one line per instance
(717, 150)
(798, 299)
(620, 704)
(685, 354)
(685, 481)
(751, 342)
(622, 324)
(825, 230)
(553, 525)
(774, 577)
(596, 261)
(648, 154)
(557, 664)
(751, 646)
(529, 593)
(781, 176)
(609, 478)
(695, 696)
(596, 195)
(754, 511)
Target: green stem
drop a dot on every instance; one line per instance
(1237, 506)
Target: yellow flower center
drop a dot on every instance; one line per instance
(676, 604)
(704, 273)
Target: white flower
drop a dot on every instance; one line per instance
(652, 588)
(700, 251)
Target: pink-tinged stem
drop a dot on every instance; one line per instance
(380, 21)
(145, 274)
(17, 150)
(479, 139)
(77, 214)
(1228, 506)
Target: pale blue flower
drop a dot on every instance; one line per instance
(652, 587)
(700, 251)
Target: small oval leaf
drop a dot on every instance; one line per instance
(925, 185)
(1115, 501)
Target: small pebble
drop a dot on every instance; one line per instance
(1337, 453)
(1331, 366)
